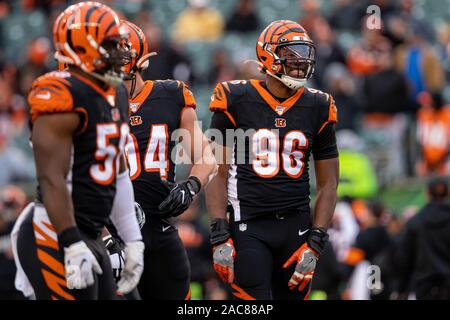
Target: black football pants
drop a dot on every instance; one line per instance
(262, 247)
(167, 270)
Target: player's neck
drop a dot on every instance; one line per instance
(277, 89)
(139, 84)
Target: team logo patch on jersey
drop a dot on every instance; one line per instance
(280, 110)
(115, 114)
(242, 227)
(135, 120)
(280, 123)
(134, 106)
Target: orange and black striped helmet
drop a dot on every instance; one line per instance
(138, 46)
(81, 34)
(285, 43)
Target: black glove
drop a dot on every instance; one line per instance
(180, 196)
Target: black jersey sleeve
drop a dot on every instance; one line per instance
(324, 146)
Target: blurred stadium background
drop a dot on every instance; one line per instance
(390, 85)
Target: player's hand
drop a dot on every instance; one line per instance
(80, 265)
(223, 250)
(306, 258)
(223, 259)
(306, 261)
(180, 196)
(134, 265)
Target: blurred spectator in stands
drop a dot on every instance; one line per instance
(169, 62)
(14, 164)
(195, 237)
(433, 135)
(309, 13)
(385, 123)
(327, 49)
(244, 17)
(35, 64)
(443, 47)
(385, 88)
(12, 201)
(371, 245)
(347, 14)
(417, 60)
(362, 58)
(424, 249)
(415, 23)
(340, 84)
(222, 68)
(198, 22)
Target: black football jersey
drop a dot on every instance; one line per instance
(97, 144)
(154, 115)
(270, 175)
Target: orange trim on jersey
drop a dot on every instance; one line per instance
(218, 99)
(354, 256)
(240, 293)
(142, 96)
(188, 296)
(54, 298)
(230, 117)
(189, 99)
(85, 122)
(56, 284)
(332, 114)
(225, 84)
(104, 93)
(51, 262)
(47, 241)
(272, 101)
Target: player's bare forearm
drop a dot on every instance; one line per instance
(204, 164)
(206, 168)
(52, 147)
(216, 194)
(327, 178)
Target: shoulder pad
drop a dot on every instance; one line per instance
(50, 93)
(225, 92)
(189, 99)
(170, 85)
(326, 105)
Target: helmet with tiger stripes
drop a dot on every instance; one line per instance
(282, 46)
(89, 35)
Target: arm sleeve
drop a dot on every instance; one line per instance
(324, 146)
(123, 215)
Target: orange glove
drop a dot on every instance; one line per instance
(306, 259)
(223, 259)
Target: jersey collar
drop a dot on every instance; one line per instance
(279, 107)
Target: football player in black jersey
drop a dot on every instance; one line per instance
(157, 110)
(269, 246)
(79, 130)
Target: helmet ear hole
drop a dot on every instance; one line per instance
(263, 58)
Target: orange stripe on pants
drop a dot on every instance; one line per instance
(241, 294)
